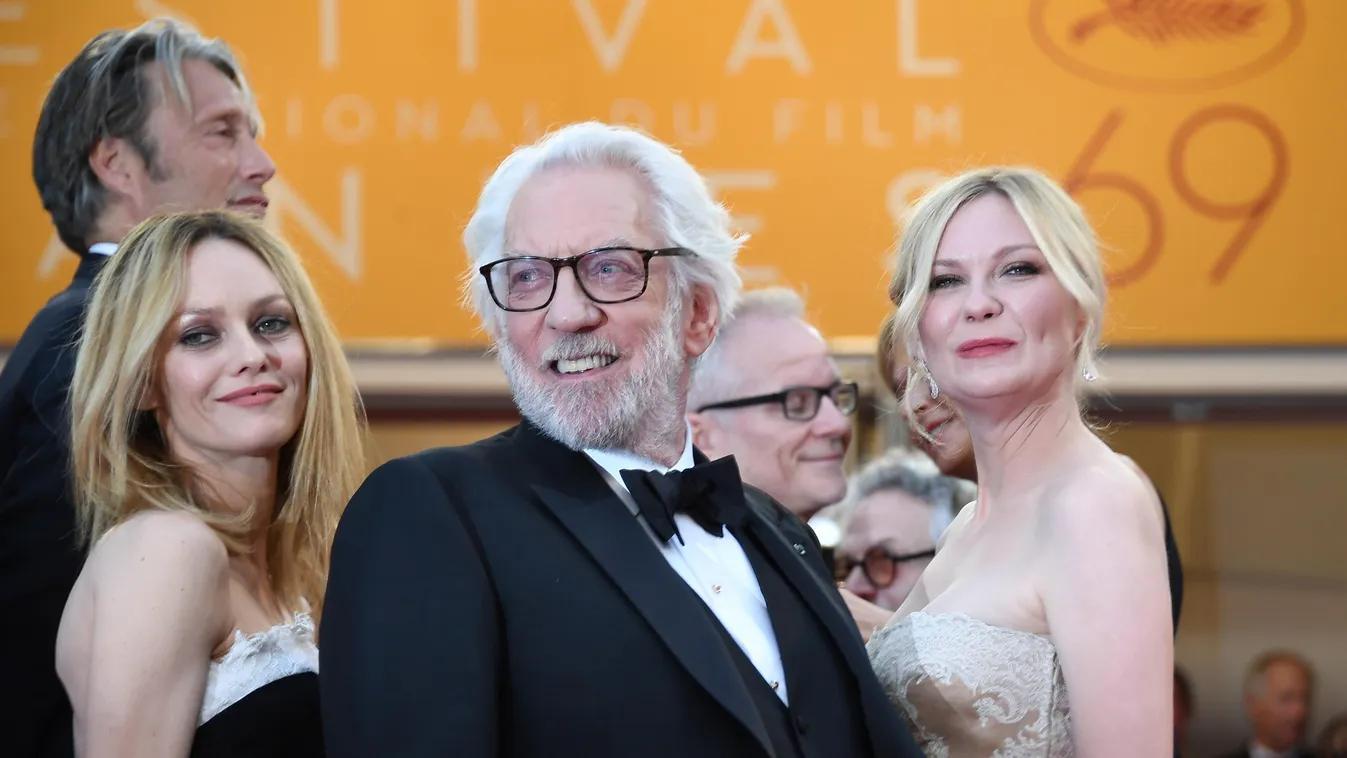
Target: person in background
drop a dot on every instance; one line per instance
(1184, 708)
(216, 437)
(901, 504)
(1278, 692)
(1333, 739)
(942, 436)
(153, 119)
(768, 393)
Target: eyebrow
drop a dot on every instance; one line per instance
(258, 303)
(1001, 253)
(235, 113)
(612, 242)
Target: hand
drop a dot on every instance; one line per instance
(868, 617)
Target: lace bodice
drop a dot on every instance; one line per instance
(258, 659)
(971, 690)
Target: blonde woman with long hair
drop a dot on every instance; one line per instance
(1043, 625)
(216, 437)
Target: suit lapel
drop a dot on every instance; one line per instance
(89, 266)
(817, 596)
(602, 524)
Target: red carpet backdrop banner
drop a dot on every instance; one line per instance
(1204, 137)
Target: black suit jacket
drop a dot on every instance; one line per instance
(39, 557)
(499, 599)
(1175, 568)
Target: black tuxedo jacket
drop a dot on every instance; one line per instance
(499, 599)
(39, 557)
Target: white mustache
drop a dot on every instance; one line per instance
(575, 346)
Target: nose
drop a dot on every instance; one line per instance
(256, 165)
(861, 586)
(830, 422)
(571, 310)
(251, 354)
(981, 303)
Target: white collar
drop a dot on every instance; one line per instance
(1259, 750)
(614, 461)
(103, 248)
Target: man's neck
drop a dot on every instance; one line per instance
(666, 449)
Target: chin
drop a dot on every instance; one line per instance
(828, 492)
(260, 443)
(988, 386)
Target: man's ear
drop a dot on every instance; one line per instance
(703, 320)
(118, 166)
(705, 435)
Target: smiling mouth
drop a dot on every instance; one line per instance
(934, 429)
(581, 365)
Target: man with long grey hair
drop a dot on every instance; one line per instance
(141, 122)
(588, 582)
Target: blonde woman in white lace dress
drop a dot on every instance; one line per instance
(216, 439)
(1042, 627)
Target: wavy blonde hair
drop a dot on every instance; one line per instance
(1058, 226)
(121, 464)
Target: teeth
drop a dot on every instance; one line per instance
(583, 364)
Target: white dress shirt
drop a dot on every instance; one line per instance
(1258, 750)
(103, 248)
(716, 568)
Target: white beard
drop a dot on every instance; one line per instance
(639, 411)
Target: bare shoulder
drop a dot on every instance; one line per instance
(957, 525)
(1103, 503)
(163, 540)
(163, 561)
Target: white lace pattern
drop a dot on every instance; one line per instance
(258, 659)
(971, 690)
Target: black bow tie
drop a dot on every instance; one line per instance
(711, 493)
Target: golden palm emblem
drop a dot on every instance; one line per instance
(1163, 21)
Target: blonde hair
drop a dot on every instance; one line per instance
(1057, 224)
(121, 465)
(886, 347)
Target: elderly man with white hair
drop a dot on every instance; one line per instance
(768, 393)
(588, 583)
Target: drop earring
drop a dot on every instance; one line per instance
(1088, 374)
(930, 380)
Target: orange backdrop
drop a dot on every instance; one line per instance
(1205, 137)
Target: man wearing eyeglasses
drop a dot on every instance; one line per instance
(588, 583)
(900, 505)
(768, 393)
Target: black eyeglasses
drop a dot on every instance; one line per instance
(606, 275)
(879, 565)
(799, 403)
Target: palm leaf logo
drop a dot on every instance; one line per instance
(1163, 21)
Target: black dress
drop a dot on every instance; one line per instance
(261, 698)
